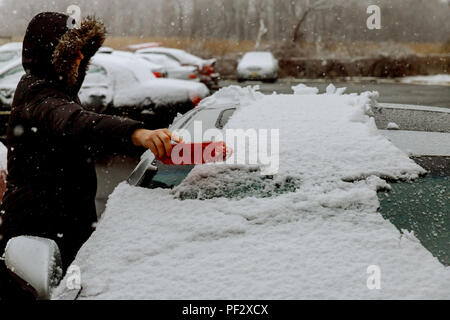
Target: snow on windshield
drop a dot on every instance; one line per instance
(314, 240)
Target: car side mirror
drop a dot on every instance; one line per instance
(36, 263)
(144, 173)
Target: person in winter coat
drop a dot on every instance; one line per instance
(51, 182)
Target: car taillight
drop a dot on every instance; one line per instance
(192, 76)
(158, 74)
(209, 69)
(196, 100)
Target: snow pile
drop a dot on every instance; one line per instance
(393, 126)
(303, 89)
(315, 238)
(439, 79)
(233, 96)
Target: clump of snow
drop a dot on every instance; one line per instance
(233, 95)
(303, 89)
(313, 241)
(331, 89)
(392, 126)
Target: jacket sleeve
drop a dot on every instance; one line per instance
(57, 116)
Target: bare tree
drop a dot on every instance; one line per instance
(261, 32)
(308, 8)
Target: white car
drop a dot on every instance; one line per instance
(311, 230)
(122, 86)
(10, 52)
(258, 66)
(174, 69)
(10, 75)
(206, 71)
(158, 70)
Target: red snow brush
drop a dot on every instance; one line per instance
(197, 153)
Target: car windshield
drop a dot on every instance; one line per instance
(163, 60)
(164, 54)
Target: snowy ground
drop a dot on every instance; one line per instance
(316, 241)
(439, 79)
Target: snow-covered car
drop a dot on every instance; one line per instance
(9, 52)
(158, 70)
(258, 66)
(310, 229)
(173, 68)
(122, 85)
(205, 68)
(10, 75)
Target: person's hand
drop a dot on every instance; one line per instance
(158, 141)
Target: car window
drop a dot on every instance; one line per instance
(167, 176)
(209, 118)
(162, 60)
(165, 55)
(13, 75)
(96, 74)
(224, 117)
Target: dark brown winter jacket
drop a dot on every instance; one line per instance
(51, 183)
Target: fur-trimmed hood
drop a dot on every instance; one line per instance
(50, 48)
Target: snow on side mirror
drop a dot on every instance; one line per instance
(36, 262)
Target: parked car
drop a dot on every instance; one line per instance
(258, 236)
(9, 52)
(174, 69)
(258, 66)
(205, 68)
(158, 70)
(120, 86)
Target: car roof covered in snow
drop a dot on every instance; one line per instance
(183, 56)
